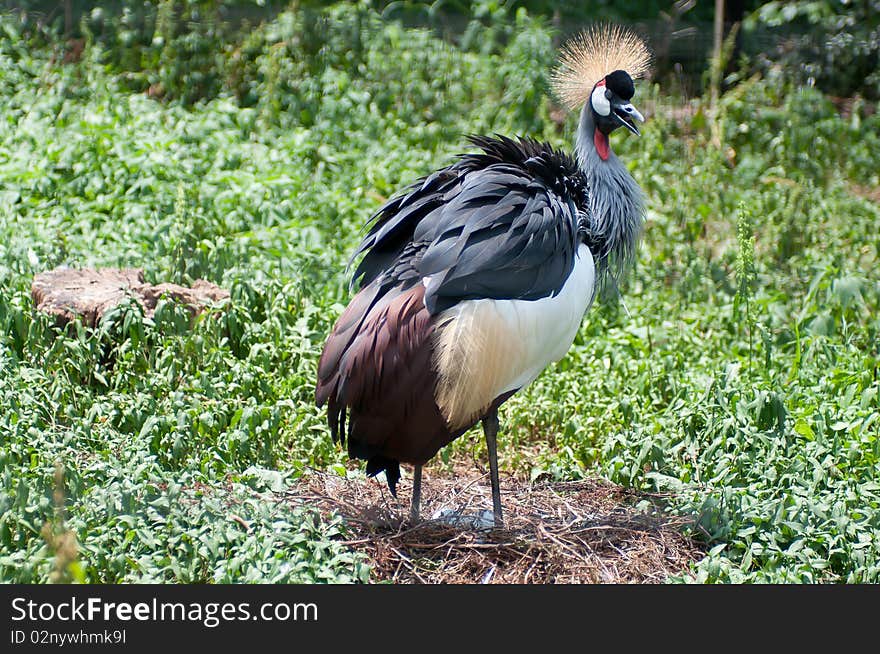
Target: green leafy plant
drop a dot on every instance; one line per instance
(741, 384)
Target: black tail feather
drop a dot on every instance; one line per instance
(377, 464)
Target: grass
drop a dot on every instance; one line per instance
(741, 379)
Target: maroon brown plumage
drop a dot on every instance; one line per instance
(377, 367)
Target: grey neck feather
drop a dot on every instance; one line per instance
(616, 202)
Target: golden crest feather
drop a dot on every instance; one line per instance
(594, 53)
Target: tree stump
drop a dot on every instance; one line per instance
(89, 293)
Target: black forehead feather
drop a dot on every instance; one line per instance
(621, 84)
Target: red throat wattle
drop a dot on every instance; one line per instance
(600, 140)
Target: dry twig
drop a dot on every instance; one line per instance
(565, 532)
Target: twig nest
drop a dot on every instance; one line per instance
(585, 531)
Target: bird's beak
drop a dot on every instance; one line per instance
(626, 114)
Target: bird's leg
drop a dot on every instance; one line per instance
(490, 428)
(416, 494)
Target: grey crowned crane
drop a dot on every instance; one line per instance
(477, 276)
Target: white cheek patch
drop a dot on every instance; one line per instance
(600, 103)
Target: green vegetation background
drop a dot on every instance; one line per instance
(740, 379)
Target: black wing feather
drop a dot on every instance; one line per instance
(502, 223)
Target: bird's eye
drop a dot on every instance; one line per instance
(608, 93)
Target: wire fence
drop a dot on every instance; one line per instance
(682, 46)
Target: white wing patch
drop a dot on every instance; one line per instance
(484, 348)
